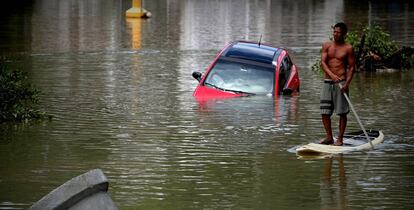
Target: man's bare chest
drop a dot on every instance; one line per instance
(337, 53)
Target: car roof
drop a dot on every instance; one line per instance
(252, 51)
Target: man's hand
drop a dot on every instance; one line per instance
(335, 78)
(344, 87)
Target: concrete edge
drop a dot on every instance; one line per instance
(73, 191)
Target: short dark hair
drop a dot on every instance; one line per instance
(342, 26)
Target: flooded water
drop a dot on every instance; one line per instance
(120, 92)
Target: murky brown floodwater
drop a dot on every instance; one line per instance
(121, 95)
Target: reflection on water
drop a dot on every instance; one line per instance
(121, 94)
(274, 114)
(334, 187)
(136, 25)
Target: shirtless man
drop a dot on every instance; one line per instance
(338, 63)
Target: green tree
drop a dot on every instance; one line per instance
(374, 49)
(18, 99)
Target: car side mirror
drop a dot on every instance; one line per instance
(197, 75)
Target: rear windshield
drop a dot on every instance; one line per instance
(240, 75)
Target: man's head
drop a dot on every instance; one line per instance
(339, 32)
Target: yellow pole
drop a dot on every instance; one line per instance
(136, 3)
(137, 11)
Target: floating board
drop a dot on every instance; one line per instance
(354, 141)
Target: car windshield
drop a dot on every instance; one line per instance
(241, 76)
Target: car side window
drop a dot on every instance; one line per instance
(282, 74)
(288, 64)
(285, 69)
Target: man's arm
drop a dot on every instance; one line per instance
(351, 68)
(324, 66)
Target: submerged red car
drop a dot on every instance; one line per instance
(245, 68)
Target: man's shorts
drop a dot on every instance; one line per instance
(332, 99)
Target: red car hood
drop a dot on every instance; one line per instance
(206, 93)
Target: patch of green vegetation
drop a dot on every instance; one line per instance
(376, 41)
(18, 98)
(374, 49)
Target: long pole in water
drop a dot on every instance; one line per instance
(356, 116)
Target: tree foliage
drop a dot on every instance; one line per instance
(18, 99)
(374, 49)
(376, 41)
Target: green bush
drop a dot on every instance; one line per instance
(17, 97)
(377, 42)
